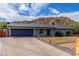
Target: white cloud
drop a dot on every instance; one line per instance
(9, 14)
(36, 8)
(72, 15)
(12, 15)
(24, 7)
(33, 11)
(6, 12)
(54, 11)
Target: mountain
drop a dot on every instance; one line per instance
(54, 20)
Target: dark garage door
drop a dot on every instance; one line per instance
(21, 32)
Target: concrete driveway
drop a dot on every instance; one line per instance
(28, 46)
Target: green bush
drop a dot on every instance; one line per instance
(58, 33)
(75, 27)
(3, 24)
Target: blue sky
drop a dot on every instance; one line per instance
(66, 7)
(61, 7)
(27, 11)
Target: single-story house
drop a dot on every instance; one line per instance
(36, 30)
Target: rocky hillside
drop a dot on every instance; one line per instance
(54, 20)
(50, 20)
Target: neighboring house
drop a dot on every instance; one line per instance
(3, 32)
(37, 30)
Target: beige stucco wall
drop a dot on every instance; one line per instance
(36, 32)
(52, 32)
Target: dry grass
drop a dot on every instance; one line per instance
(67, 44)
(56, 40)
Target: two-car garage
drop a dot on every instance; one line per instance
(21, 32)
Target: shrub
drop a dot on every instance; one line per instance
(58, 33)
(75, 27)
(3, 24)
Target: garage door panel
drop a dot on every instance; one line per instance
(21, 32)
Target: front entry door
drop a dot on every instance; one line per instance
(48, 32)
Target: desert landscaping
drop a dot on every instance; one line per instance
(66, 44)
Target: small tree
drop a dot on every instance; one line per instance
(3, 24)
(75, 27)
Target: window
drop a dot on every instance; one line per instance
(41, 31)
(68, 33)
